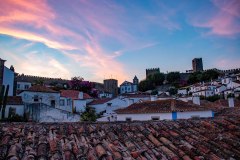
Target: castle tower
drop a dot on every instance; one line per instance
(197, 65)
(152, 71)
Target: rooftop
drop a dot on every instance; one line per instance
(183, 139)
(73, 94)
(100, 101)
(39, 88)
(14, 100)
(160, 106)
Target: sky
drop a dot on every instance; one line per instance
(100, 39)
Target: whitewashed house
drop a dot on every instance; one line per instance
(41, 94)
(23, 85)
(233, 84)
(162, 110)
(220, 89)
(129, 87)
(182, 91)
(7, 76)
(14, 106)
(74, 101)
(104, 94)
(135, 98)
(109, 104)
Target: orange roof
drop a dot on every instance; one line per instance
(100, 101)
(73, 94)
(39, 88)
(160, 106)
(14, 100)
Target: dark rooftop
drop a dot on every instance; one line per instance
(183, 139)
(160, 106)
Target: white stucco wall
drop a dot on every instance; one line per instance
(56, 115)
(28, 97)
(80, 105)
(187, 115)
(65, 107)
(19, 109)
(116, 104)
(144, 117)
(21, 85)
(8, 79)
(182, 91)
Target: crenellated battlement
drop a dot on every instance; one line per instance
(151, 71)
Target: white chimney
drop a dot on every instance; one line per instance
(80, 96)
(196, 100)
(231, 102)
(153, 98)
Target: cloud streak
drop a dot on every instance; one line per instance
(224, 22)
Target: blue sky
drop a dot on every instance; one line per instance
(118, 39)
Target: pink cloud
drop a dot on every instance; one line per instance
(44, 28)
(225, 22)
(227, 63)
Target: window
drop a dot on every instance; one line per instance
(68, 102)
(53, 103)
(11, 111)
(18, 86)
(128, 119)
(62, 102)
(195, 117)
(155, 118)
(35, 98)
(26, 86)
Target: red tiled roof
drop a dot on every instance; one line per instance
(69, 93)
(39, 88)
(160, 106)
(168, 140)
(100, 101)
(73, 94)
(14, 100)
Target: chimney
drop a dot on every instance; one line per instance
(173, 103)
(231, 102)
(196, 100)
(80, 96)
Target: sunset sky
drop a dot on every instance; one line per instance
(98, 39)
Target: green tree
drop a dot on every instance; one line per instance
(173, 91)
(173, 77)
(89, 114)
(156, 79)
(145, 85)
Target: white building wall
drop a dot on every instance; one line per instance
(117, 103)
(19, 109)
(182, 91)
(56, 115)
(144, 117)
(65, 107)
(28, 97)
(8, 79)
(80, 105)
(23, 85)
(187, 115)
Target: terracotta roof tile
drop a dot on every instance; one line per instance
(160, 106)
(14, 100)
(73, 94)
(100, 101)
(181, 139)
(39, 88)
